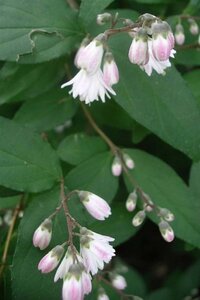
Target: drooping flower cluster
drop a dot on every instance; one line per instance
(151, 48)
(180, 30)
(76, 268)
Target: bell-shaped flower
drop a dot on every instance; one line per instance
(42, 235)
(110, 70)
(138, 52)
(89, 86)
(95, 251)
(51, 260)
(77, 283)
(119, 282)
(95, 205)
(166, 231)
(80, 52)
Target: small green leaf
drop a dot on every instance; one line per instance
(77, 148)
(47, 110)
(90, 9)
(94, 175)
(37, 31)
(26, 162)
(168, 190)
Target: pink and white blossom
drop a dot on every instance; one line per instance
(51, 260)
(95, 205)
(154, 64)
(95, 252)
(138, 51)
(116, 166)
(77, 283)
(42, 235)
(119, 282)
(110, 70)
(80, 52)
(166, 231)
(89, 86)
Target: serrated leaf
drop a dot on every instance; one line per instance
(77, 148)
(26, 162)
(94, 175)
(162, 104)
(89, 9)
(168, 190)
(37, 31)
(47, 110)
(28, 81)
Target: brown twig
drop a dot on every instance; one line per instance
(189, 17)
(189, 46)
(9, 236)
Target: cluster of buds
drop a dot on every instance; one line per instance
(77, 267)
(165, 215)
(117, 164)
(151, 48)
(180, 33)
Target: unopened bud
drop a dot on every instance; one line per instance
(103, 18)
(51, 260)
(42, 235)
(116, 166)
(139, 218)
(166, 231)
(102, 295)
(119, 282)
(128, 161)
(194, 28)
(167, 214)
(131, 201)
(179, 34)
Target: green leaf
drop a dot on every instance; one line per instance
(162, 104)
(37, 31)
(8, 202)
(188, 57)
(90, 9)
(47, 110)
(192, 79)
(194, 179)
(168, 190)
(26, 162)
(77, 148)
(94, 175)
(164, 294)
(28, 81)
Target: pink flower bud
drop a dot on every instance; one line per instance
(119, 282)
(139, 218)
(42, 235)
(128, 161)
(110, 70)
(138, 52)
(95, 205)
(80, 52)
(116, 166)
(103, 18)
(102, 295)
(194, 28)
(50, 261)
(166, 231)
(131, 201)
(161, 45)
(179, 34)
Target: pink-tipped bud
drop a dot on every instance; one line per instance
(119, 282)
(128, 161)
(110, 70)
(95, 205)
(167, 214)
(42, 235)
(138, 52)
(103, 18)
(116, 166)
(102, 295)
(138, 219)
(166, 231)
(80, 52)
(51, 260)
(131, 201)
(162, 41)
(179, 34)
(194, 28)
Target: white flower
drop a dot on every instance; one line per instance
(95, 250)
(77, 283)
(95, 205)
(138, 52)
(42, 235)
(50, 261)
(89, 87)
(119, 282)
(154, 64)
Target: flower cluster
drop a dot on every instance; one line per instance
(76, 266)
(180, 31)
(117, 164)
(165, 215)
(151, 47)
